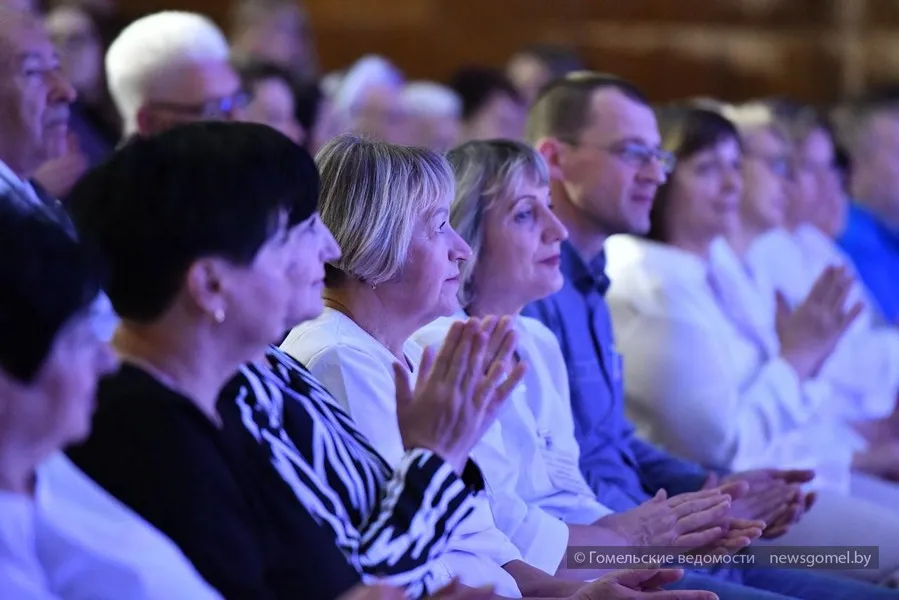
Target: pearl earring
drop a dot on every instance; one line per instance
(219, 315)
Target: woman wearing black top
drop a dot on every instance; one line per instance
(206, 228)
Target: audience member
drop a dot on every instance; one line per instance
(870, 133)
(170, 68)
(433, 112)
(601, 141)
(788, 256)
(94, 120)
(34, 111)
(368, 100)
(491, 106)
(199, 277)
(273, 99)
(315, 113)
(531, 68)
(61, 535)
(276, 31)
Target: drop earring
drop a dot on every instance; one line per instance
(219, 315)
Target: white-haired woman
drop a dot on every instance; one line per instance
(388, 207)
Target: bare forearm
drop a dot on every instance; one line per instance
(587, 536)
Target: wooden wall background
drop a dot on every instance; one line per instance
(814, 50)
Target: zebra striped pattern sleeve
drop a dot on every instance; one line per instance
(391, 524)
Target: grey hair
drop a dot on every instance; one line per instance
(153, 45)
(372, 194)
(485, 172)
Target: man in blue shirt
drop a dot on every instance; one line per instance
(871, 238)
(602, 144)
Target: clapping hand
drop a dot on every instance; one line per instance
(640, 584)
(460, 390)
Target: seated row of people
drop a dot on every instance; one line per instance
(230, 448)
(232, 451)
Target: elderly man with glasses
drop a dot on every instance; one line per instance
(171, 68)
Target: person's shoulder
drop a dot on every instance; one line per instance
(133, 396)
(328, 333)
(136, 414)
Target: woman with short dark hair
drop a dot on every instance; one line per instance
(216, 249)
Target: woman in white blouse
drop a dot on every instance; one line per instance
(61, 535)
(864, 367)
(710, 375)
(389, 209)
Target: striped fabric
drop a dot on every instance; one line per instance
(390, 523)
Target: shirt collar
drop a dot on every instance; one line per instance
(15, 184)
(585, 276)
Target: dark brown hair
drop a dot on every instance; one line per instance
(686, 130)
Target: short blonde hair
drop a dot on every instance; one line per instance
(372, 194)
(486, 171)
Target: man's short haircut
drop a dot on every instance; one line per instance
(46, 279)
(153, 46)
(477, 85)
(562, 108)
(163, 202)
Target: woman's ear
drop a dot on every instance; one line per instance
(204, 285)
(551, 149)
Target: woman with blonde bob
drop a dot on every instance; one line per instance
(400, 268)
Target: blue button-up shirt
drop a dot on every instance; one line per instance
(874, 248)
(622, 470)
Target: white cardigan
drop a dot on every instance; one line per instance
(703, 375)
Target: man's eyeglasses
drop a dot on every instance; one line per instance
(211, 110)
(635, 154)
